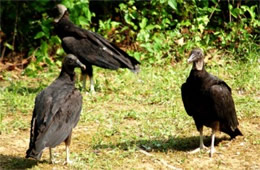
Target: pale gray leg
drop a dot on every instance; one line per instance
(89, 72)
(202, 146)
(212, 149)
(92, 87)
(68, 155)
(67, 144)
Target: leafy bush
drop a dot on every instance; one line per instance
(156, 32)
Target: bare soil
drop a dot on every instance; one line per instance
(241, 153)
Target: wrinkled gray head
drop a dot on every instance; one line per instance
(70, 61)
(59, 12)
(196, 55)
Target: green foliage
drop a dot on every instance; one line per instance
(156, 31)
(31, 31)
(167, 32)
(79, 12)
(20, 23)
(109, 29)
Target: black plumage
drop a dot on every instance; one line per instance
(209, 101)
(90, 47)
(56, 111)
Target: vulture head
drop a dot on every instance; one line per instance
(197, 57)
(70, 62)
(59, 11)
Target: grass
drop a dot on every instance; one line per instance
(134, 121)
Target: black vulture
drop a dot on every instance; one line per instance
(208, 100)
(90, 47)
(56, 111)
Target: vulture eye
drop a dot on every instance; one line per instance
(70, 61)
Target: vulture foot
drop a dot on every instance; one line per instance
(211, 152)
(203, 147)
(68, 162)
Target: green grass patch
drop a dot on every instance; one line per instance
(129, 113)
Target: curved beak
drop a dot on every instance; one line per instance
(56, 20)
(82, 66)
(191, 58)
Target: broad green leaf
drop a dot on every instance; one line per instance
(46, 30)
(55, 40)
(143, 23)
(235, 12)
(150, 27)
(60, 51)
(173, 4)
(129, 21)
(59, 63)
(39, 35)
(123, 6)
(48, 61)
(115, 24)
(230, 7)
(162, 1)
(87, 13)
(9, 46)
(83, 21)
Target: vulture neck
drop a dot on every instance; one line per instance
(67, 74)
(65, 16)
(61, 16)
(198, 65)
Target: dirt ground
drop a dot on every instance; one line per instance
(170, 152)
(241, 153)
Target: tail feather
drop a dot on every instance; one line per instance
(136, 69)
(235, 133)
(33, 154)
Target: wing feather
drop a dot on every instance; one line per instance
(186, 98)
(65, 117)
(224, 107)
(55, 113)
(93, 48)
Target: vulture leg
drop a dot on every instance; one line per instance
(212, 149)
(67, 144)
(89, 72)
(92, 89)
(50, 155)
(83, 78)
(202, 146)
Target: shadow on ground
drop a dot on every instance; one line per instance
(15, 162)
(173, 143)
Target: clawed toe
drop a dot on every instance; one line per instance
(198, 149)
(211, 152)
(54, 162)
(68, 162)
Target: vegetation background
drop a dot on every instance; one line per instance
(133, 122)
(153, 31)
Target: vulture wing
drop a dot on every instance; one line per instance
(223, 104)
(93, 48)
(187, 100)
(54, 116)
(89, 53)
